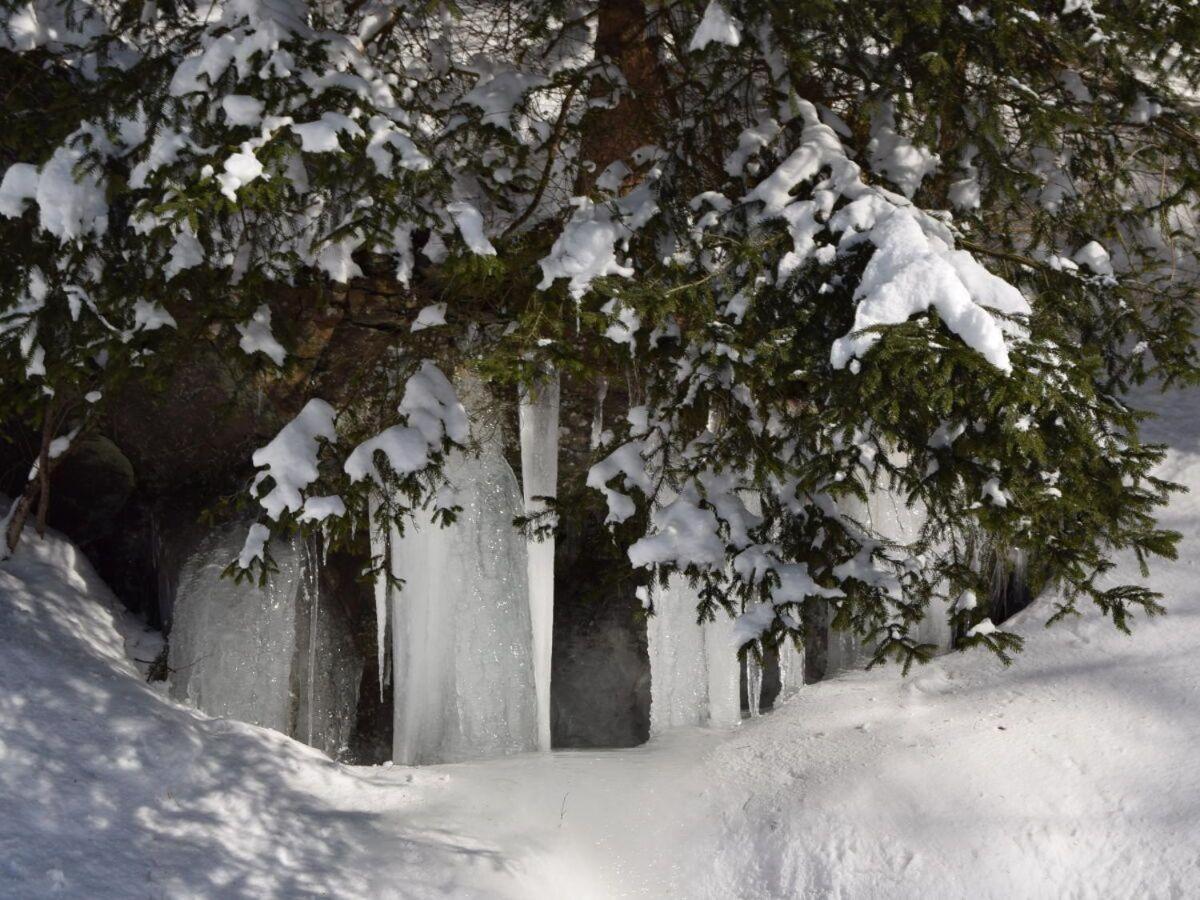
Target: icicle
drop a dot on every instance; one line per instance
(311, 586)
(598, 412)
(754, 680)
(679, 679)
(379, 550)
(724, 671)
(791, 669)
(538, 411)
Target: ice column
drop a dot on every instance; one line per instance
(724, 669)
(754, 686)
(889, 515)
(538, 413)
(463, 674)
(327, 666)
(378, 534)
(695, 675)
(791, 670)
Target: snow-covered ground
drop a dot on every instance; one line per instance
(1073, 774)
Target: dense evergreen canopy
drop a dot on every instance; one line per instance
(824, 246)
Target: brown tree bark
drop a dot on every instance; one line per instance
(37, 489)
(613, 134)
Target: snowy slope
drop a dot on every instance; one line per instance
(1074, 773)
(108, 789)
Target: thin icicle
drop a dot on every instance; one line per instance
(598, 412)
(754, 680)
(379, 549)
(538, 412)
(310, 586)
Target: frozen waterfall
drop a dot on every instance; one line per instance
(462, 668)
(538, 412)
(791, 670)
(282, 656)
(889, 515)
(695, 674)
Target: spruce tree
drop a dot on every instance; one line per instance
(830, 246)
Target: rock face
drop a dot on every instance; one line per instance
(600, 683)
(282, 656)
(600, 688)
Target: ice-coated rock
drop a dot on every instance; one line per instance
(281, 656)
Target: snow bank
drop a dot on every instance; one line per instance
(110, 790)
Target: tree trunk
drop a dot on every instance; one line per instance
(44, 478)
(19, 513)
(37, 488)
(613, 134)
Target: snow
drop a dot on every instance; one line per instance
(290, 460)
(19, 185)
(321, 136)
(255, 547)
(1095, 257)
(717, 27)
(430, 316)
(240, 169)
(150, 316)
(499, 90)
(336, 259)
(1072, 773)
(242, 109)
(895, 157)
(386, 138)
(912, 271)
(586, 250)
(69, 207)
(433, 414)
(256, 336)
(470, 225)
(186, 253)
(538, 409)
(750, 142)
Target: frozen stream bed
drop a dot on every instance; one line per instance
(1074, 773)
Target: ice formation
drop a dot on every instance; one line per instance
(695, 675)
(791, 670)
(463, 673)
(539, 477)
(281, 656)
(754, 686)
(889, 516)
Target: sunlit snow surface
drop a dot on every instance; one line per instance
(1072, 774)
